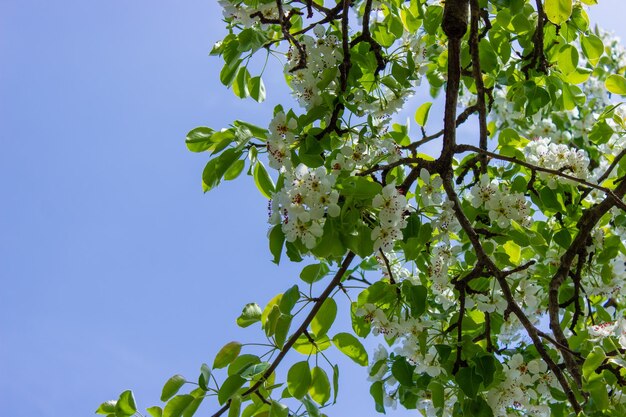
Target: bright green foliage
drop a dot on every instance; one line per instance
(488, 266)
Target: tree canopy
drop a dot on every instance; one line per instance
(492, 270)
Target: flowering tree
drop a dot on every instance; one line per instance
(493, 270)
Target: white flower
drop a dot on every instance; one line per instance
(429, 191)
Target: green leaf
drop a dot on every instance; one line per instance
(486, 368)
(593, 48)
(314, 272)
(234, 170)
(310, 407)
(320, 386)
(226, 354)
(172, 386)
(433, 18)
(216, 168)
(305, 347)
(107, 407)
(205, 374)
(335, 383)
(228, 73)
(351, 347)
(402, 371)
(563, 238)
(376, 391)
(198, 396)
(415, 296)
(235, 406)
(289, 299)
(277, 240)
(177, 405)
(278, 410)
(242, 363)
(240, 86)
(230, 387)
(616, 84)
(437, 393)
(513, 250)
(256, 89)
(255, 370)
(360, 188)
(593, 361)
(125, 405)
(263, 180)
(469, 381)
(251, 314)
(421, 115)
(282, 329)
(155, 411)
(299, 379)
(558, 11)
(324, 318)
(199, 139)
(567, 58)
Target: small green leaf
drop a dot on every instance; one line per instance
(415, 296)
(255, 370)
(125, 405)
(469, 381)
(242, 363)
(216, 168)
(563, 238)
(172, 386)
(199, 139)
(235, 406)
(324, 318)
(593, 361)
(251, 314)
(335, 383)
(228, 73)
(263, 180)
(402, 371)
(351, 347)
(567, 58)
(376, 391)
(558, 11)
(234, 170)
(277, 240)
(320, 386)
(593, 48)
(289, 299)
(107, 407)
(616, 84)
(230, 387)
(240, 86)
(227, 354)
(198, 396)
(205, 374)
(256, 89)
(310, 407)
(421, 115)
(278, 410)
(299, 379)
(155, 411)
(314, 272)
(177, 405)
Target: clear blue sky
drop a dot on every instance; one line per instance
(116, 270)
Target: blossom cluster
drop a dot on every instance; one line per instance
(392, 205)
(503, 206)
(544, 153)
(301, 205)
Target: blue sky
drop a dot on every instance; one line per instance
(116, 271)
